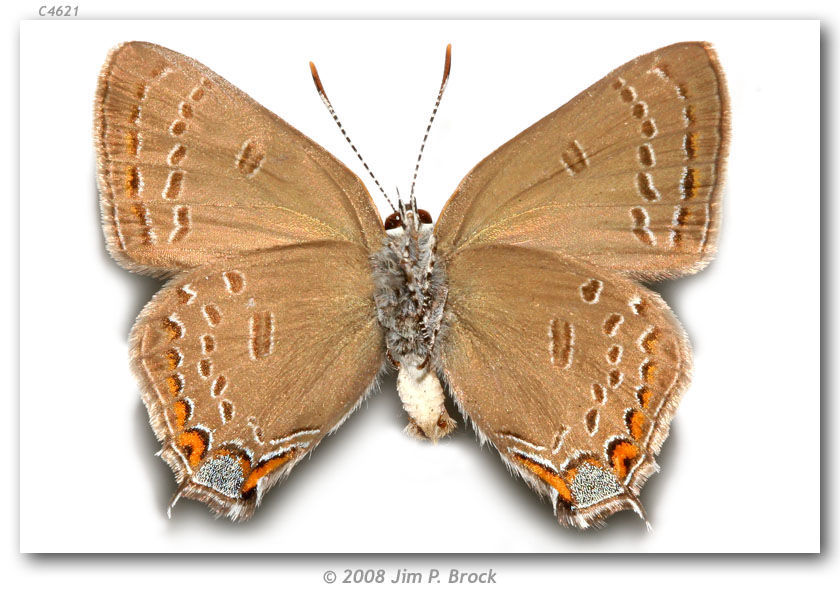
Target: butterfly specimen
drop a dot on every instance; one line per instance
(288, 294)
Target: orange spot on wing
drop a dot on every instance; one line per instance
(644, 395)
(690, 114)
(132, 183)
(649, 372)
(175, 385)
(194, 443)
(182, 411)
(636, 422)
(690, 184)
(265, 468)
(550, 477)
(622, 456)
(650, 341)
(173, 358)
(132, 142)
(172, 328)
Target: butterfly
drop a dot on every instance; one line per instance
(288, 295)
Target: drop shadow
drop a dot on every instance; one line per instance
(142, 287)
(828, 295)
(674, 291)
(328, 450)
(623, 525)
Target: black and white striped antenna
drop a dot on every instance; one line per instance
(330, 108)
(446, 67)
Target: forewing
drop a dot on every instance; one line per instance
(627, 175)
(246, 364)
(571, 372)
(191, 169)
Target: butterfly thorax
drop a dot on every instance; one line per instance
(410, 295)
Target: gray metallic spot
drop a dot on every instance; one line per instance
(223, 474)
(593, 484)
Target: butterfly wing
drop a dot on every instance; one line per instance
(191, 169)
(627, 175)
(571, 372)
(247, 363)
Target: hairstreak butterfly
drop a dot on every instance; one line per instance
(288, 294)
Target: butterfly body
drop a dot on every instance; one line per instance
(410, 296)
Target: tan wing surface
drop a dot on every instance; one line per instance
(627, 175)
(572, 373)
(191, 169)
(269, 352)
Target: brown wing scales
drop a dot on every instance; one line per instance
(572, 373)
(191, 169)
(245, 365)
(627, 175)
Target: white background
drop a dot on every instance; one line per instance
(650, 577)
(740, 472)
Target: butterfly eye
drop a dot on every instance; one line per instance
(425, 217)
(393, 221)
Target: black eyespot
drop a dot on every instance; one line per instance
(425, 217)
(393, 221)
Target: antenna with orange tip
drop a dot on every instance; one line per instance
(446, 68)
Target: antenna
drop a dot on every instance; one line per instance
(446, 67)
(329, 106)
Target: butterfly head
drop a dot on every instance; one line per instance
(416, 219)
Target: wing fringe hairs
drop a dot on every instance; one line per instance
(721, 168)
(107, 195)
